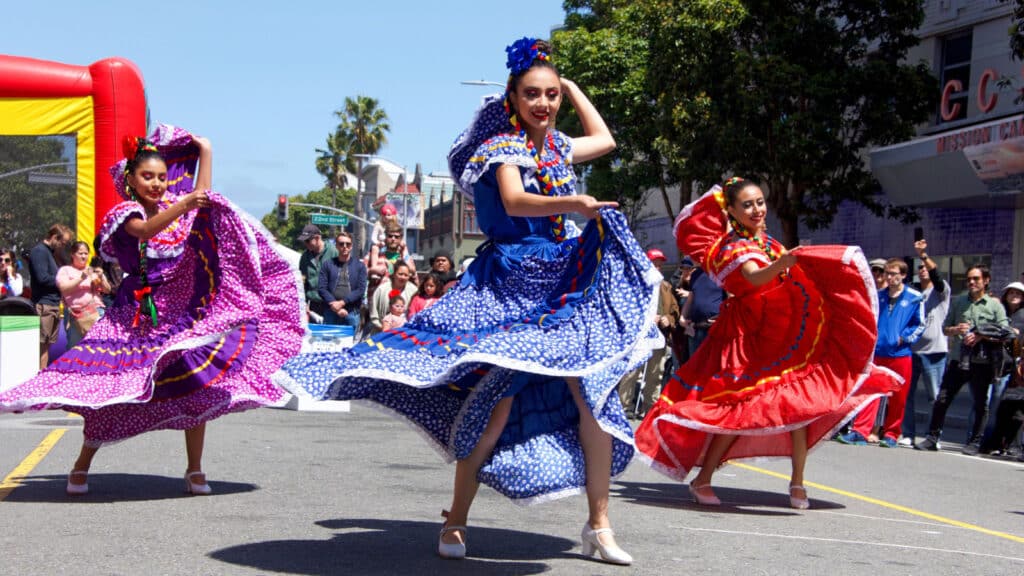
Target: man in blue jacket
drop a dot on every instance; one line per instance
(342, 285)
(900, 324)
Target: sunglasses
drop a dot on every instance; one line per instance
(343, 244)
(394, 235)
(5, 259)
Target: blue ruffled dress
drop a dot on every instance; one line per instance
(529, 312)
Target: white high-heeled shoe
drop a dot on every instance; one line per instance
(611, 554)
(704, 499)
(78, 489)
(196, 489)
(455, 551)
(798, 503)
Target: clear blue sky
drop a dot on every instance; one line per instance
(262, 79)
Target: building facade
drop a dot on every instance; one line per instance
(964, 170)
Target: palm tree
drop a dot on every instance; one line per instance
(366, 123)
(331, 162)
(363, 126)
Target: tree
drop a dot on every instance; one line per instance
(331, 161)
(604, 48)
(27, 210)
(364, 126)
(362, 130)
(299, 216)
(792, 94)
(1017, 30)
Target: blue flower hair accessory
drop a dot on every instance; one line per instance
(522, 53)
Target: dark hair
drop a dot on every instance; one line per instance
(542, 46)
(438, 284)
(732, 188)
(342, 233)
(395, 298)
(1006, 305)
(401, 264)
(986, 274)
(144, 150)
(78, 244)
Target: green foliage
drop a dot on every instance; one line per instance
(298, 216)
(791, 94)
(28, 210)
(605, 52)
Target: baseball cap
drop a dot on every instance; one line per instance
(655, 254)
(308, 231)
(877, 263)
(687, 262)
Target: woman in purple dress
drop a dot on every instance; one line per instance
(207, 311)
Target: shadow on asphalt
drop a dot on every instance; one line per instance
(108, 488)
(734, 500)
(374, 546)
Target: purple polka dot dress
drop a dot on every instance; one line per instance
(228, 316)
(531, 311)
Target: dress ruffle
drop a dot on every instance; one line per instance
(526, 316)
(796, 352)
(229, 310)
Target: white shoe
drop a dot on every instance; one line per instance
(906, 442)
(78, 489)
(797, 502)
(455, 551)
(611, 554)
(196, 489)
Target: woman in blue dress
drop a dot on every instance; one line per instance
(513, 372)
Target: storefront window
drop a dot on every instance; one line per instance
(955, 65)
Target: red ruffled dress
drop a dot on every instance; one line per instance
(794, 352)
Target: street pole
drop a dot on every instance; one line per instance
(405, 210)
(481, 83)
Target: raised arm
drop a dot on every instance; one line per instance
(597, 140)
(519, 202)
(204, 177)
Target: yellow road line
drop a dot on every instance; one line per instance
(31, 461)
(885, 504)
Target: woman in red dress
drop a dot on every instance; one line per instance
(788, 359)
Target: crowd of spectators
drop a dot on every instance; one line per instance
(933, 338)
(928, 335)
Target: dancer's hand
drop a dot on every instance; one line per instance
(197, 199)
(589, 206)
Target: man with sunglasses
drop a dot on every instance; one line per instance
(342, 284)
(382, 262)
(310, 264)
(971, 360)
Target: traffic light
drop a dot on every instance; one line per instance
(282, 208)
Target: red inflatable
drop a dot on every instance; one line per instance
(98, 104)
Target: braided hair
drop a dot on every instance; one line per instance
(138, 150)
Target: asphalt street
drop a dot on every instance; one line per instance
(314, 493)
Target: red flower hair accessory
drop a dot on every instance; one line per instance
(130, 147)
(394, 292)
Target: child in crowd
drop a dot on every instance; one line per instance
(395, 317)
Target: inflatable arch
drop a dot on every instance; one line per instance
(98, 104)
